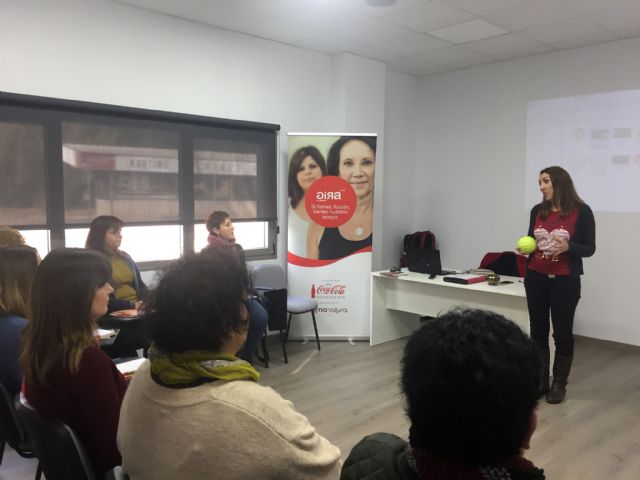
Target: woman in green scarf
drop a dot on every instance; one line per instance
(194, 410)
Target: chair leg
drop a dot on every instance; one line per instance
(315, 327)
(286, 338)
(283, 342)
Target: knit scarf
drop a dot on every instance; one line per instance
(430, 466)
(217, 241)
(189, 369)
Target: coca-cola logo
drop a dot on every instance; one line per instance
(331, 289)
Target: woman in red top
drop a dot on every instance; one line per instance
(66, 375)
(565, 231)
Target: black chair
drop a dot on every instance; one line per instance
(275, 302)
(12, 430)
(61, 453)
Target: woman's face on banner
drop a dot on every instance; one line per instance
(308, 172)
(358, 166)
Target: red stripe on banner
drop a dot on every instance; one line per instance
(294, 259)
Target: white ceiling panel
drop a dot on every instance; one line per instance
(280, 30)
(330, 44)
(415, 66)
(485, 7)
(570, 34)
(452, 56)
(429, 16)
(417, 43)
(623, 20)
(532, 15)
(228, 16)
(373, 30)
(511, 45)
(170, 7)
(308, 12)
(597, 6)
(417, 36)
(375, 53)
(362, 6)
(468, 31)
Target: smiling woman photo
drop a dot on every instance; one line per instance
(354, 160)
(306, 166)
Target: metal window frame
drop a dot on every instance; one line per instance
(51, 113)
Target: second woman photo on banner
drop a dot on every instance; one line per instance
(350, 158)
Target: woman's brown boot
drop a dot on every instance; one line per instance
(561, 369)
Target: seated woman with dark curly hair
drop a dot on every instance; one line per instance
(194, 410)
(470, 378)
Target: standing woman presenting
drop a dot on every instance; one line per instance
(565, 231)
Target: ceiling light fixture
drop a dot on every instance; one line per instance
(380, 3)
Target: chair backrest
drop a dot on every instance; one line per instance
(505, 263)
(61, 454)
(276, 306)
(268, 275)
(11, 429)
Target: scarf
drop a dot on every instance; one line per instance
(430, 466)
(193, 368)
(217, 241)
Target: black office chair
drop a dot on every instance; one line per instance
(275, 302)
(12, 430)
(62, 455)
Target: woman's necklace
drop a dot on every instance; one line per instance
(359, 231)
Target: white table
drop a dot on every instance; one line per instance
(397, 303)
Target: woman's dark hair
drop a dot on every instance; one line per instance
(98, 230)
(18, 265)
(565, 196)
(197, 304)
(471, 379)
(216, 219)
(333, 158)
(60, 326)
(295, 191)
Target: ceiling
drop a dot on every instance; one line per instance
(418, 37)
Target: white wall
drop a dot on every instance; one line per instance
(471, 148)
(112, 53)
(398, 205)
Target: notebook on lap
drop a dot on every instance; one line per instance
(426, 261)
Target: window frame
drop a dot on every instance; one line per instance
(51, 113)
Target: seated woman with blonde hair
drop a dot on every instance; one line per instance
(10, 237)
(195, 410)
(18, 265)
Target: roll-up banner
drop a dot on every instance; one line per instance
(330, 229)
